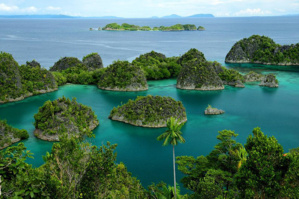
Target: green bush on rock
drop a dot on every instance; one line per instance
(149, 111)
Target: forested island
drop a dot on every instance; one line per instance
(263, 50)
(18, 82)
(149, 111)
(10, 135)
(123, 76)
(132, 27)
(61, 116)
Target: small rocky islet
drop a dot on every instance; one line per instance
(213, 111)
(149, 111)
(61, 116)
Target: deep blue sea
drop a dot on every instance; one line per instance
(275, 110)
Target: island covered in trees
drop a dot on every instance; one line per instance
(131, 27)
(149, 111)
(263, 50)
(10, 135)
(64, 116)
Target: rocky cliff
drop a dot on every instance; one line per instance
(149, 111)
(93, 61)
(197, 73)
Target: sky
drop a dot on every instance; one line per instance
(149, 8)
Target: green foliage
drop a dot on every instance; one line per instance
(260, 170)
(131, 27)
(8, 134)
(262, 49)
(173, 135)
(73, 169)
(59, 78)
(191, 55)
(231, 75)
(19, 179)
(200, 28)
(67, 62)
(63, 115)
(157, 66)
(122, 75)
(263, 172)
(150, 110)
(162, 191)
(19, 82)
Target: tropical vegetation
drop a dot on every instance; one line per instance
(61, 116)
(131, 27)
(10, 135)
(149, 111)
(173, 136)
(262, 49)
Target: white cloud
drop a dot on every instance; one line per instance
(252, 12)
(52, 8)
(30, 9)
(4, 7)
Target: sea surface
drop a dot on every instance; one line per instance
(275, 110)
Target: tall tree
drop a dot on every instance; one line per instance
(172, 136)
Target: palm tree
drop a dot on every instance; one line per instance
(172, 136)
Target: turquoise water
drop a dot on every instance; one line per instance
(275, 110)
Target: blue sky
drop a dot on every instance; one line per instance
(148, 8)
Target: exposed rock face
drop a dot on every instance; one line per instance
(149, 111)
(64, 116)
(263, 50)
(231, 77)
(269, 81)
(33, 64)
(237, 83)
(123, 76)
(65, 63)
(199, 75)
(213, 111)
(93, 61)
(253, 77)
(10, 135)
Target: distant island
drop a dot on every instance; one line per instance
(192, 16)
(263, 50)
(132, 27)
(60, 16)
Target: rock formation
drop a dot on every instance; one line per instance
(123, 76)
(61, 116)
(263, 50)
(213, 111)
(149, 111)
(10, 135)
(269, 81)
(93, 61)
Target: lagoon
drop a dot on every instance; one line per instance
(275, 110)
